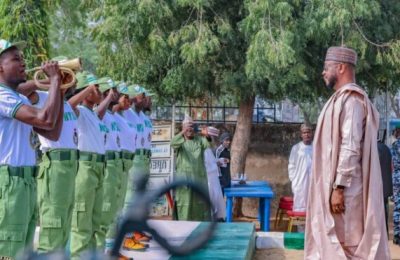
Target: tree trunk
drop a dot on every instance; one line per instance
(240, 144)
(306, 113)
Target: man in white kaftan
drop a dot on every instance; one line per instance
(299, 168)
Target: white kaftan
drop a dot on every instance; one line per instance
(214, 186)
(299, 169)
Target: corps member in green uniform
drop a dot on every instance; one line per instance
(57, 172)
(141, 161)
(113, 173)
(17, 156)
(128, 130)
(92, 134)
(127, 136)
(190, 166)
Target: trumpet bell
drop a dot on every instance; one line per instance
(74, 64)
(68, 79)
(68, 69)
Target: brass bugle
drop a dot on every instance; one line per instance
(68, 69)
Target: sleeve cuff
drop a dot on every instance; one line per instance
(342, 180)
(15, 109)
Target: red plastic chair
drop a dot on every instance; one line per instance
(295, 217)
(285, 204)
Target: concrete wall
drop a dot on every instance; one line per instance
(268, 160)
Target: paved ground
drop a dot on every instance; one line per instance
(281, 254)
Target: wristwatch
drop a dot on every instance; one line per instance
(335, 186)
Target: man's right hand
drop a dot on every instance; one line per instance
(187, 127)
(92, 89)
(337, 201)
(113, 94)
(51, 69)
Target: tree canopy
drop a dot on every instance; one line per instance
(272, 48)
(27, 20)
(191, 49)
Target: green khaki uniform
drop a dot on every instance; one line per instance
(127, 159)
(92, 136)
(113, 170)
(56, 181)
(190, 167)
(56, 187)
(140, 165)
(112, 194)
(18, 213)
(86, 217)
(121, 188)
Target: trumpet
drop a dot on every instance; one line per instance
(68, 69)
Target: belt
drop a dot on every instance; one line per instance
(112, 155)
(87, 156)
(57, 155)
(127, 155)
(145, 152)
(22, 171)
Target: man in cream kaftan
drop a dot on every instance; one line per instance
(345, 214)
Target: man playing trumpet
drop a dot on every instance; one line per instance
(17, 157)
(58, 168)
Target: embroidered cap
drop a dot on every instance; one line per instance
(341, 54)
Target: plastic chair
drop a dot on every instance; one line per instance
(295, 217)
(285, 204)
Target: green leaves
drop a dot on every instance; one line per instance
(200, 48)
(267, 55)
(234, 48)
(27, 21)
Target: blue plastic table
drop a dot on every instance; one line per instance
(248, 184)
(263, 193)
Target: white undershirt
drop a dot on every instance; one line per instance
(148, 130)
(16, 148)
(92, 133)
(113, 142)
(69, 132)
(135, 119)
(128, 133)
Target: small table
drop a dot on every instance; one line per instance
(263, 193)
(235, 184)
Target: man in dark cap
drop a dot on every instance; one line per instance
(223, 154)
(345, 213)
(385, 159)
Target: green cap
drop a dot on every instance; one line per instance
(106, 83)
(132, 90)
(148, 93)
(59, 58)
(5, 45)
(85, 79)
(123, 88)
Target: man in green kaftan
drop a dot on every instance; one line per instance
(190, 167)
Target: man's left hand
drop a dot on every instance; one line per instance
(337, 201)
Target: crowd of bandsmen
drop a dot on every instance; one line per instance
(91, 136)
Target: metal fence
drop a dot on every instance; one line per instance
(214, 114)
